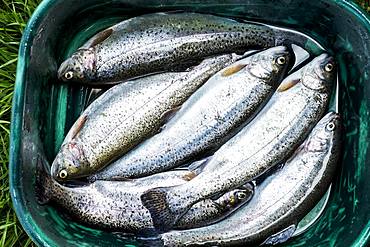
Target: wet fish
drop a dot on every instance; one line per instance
(117, 205)
(279, 128)
(159, 42)
(207, 118)
(125, 115)
(280, 201)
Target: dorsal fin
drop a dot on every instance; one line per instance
(168, 115)
(98, 38)
(198, 166)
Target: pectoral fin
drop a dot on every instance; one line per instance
(80, 123)
(287, 84)
(233, 69)
(189, 176)
(281, 236)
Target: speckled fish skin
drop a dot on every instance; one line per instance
(125, 115)
(279, 128)
(281, 200)
(207, 117)
(159, 42)
(117, 205)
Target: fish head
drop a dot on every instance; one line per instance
(80, 67)
(270, 65)
(323, 135)
(70, 163)
(236, 198)
(319, 74)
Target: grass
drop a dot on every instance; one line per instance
(13, 17)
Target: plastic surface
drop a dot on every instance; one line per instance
(44, 110)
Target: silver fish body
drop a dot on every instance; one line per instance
(117, 206)
(280, 201)
(266, 141)
(208, 117)
(125, 115)
(159, 42)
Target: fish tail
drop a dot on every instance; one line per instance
(43, 182)
(156, 201)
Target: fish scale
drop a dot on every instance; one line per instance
(267, 140)
(210, 115)
(125, 115)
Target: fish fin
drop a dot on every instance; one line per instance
(80, 123)
(281, 236)
(168, 115)
(43, 180)
(198, 166)
(100, 37)
(300, 54)
(155, 200)
(285, 85)
(189, 176)
(233, 69)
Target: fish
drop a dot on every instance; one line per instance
(158, 42)
(281, 200)
(125, 115)
(284, 122)
(208, 118)
(116, 205)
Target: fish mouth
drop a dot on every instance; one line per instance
(54, 170)
(331, 116)
(63, 69)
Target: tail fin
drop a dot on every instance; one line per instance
(155, 200)
(43, 182)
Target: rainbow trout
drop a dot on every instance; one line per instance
(207, 118)
(117, 205)
(125, 115)
(280, 201)
(274, 134)
(159, 42)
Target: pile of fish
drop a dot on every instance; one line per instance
(202, 140)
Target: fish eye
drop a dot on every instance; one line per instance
(330, 126)
(68, 75)
(329, 67)
(241, 195)
(63, 174)
(281, 60)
